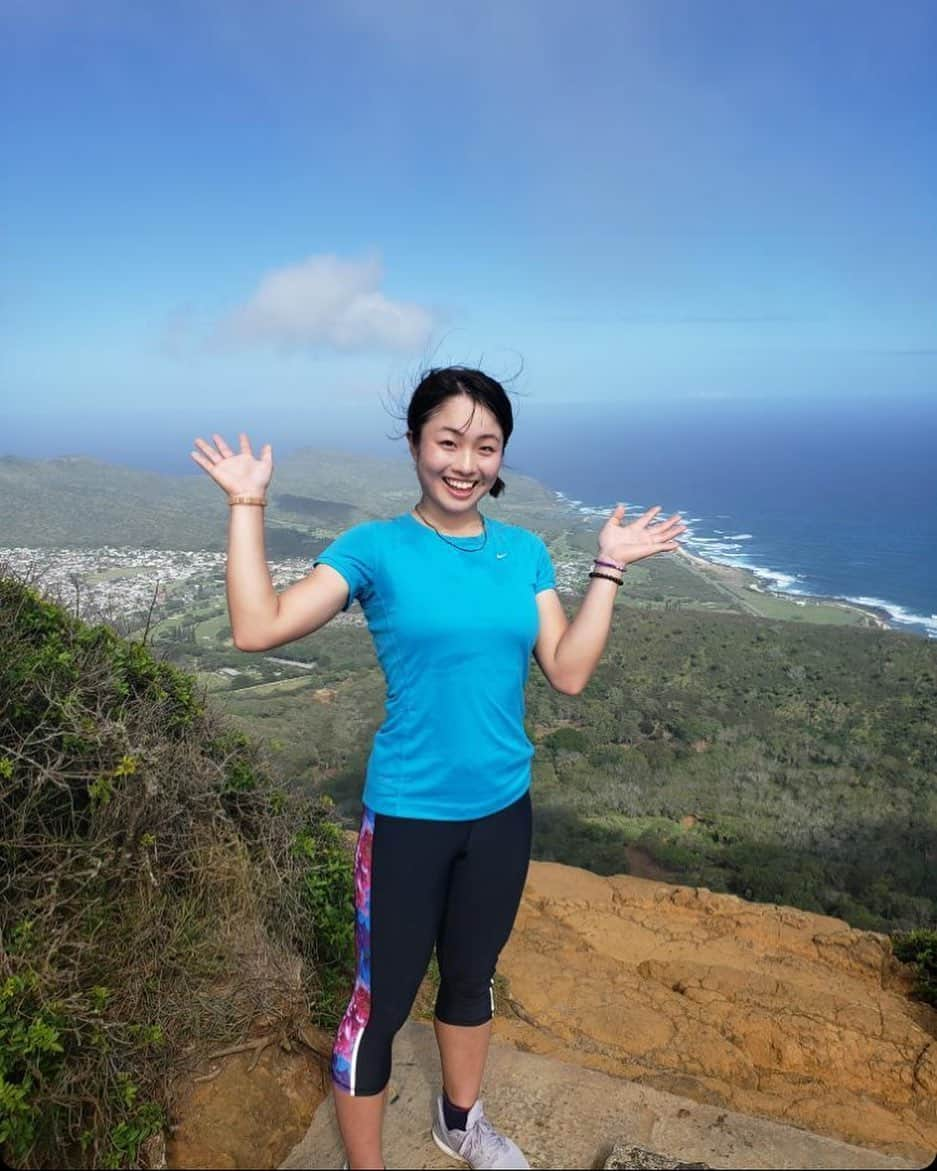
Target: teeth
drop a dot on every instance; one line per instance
(459, 483)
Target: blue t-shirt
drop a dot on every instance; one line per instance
(453, 631)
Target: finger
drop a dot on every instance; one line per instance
(615, 516)
(207, 450)
(647, 516)
(222, 446)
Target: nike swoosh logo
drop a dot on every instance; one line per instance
(500, 555)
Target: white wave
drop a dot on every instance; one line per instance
(713, 545)
(726, 553)
(780, 580)
(899, 614)
(722, 549)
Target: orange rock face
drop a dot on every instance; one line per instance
(763, 1009)
(246, 1117)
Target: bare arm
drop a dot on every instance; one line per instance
(568, 652)
(252, 601)
(261, 618)
(580, 641)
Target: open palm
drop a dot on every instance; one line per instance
(236, 472)
(627, 543)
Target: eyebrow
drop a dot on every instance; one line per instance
(456, 431)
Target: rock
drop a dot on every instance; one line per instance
(563, 1116)
(762, 1009)
(626, 1156)
(246, 1117)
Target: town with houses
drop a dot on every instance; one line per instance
(126, 586)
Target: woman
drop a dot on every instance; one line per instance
(455, 602)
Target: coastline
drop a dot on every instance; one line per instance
(747, 584)
(740, 578)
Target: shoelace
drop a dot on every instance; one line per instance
(482, 1134)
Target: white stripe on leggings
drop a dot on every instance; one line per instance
(353, 1068)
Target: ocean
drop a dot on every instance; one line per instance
(813, 500)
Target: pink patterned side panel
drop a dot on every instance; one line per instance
(348, 1038)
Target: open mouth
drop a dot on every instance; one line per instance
(457, 488)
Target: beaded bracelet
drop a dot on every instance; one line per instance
(608, 577)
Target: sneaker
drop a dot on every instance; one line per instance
(479, 1145)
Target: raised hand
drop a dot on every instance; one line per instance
(235, 472)
(626, 544)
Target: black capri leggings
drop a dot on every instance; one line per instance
(453, 884)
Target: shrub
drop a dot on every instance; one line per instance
(920, 949)
(161, 890)
(566, 740)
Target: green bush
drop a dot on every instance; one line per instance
(158, 886)
(920, 949)
(566, 740)
(328, 892)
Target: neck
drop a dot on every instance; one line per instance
(465, 525)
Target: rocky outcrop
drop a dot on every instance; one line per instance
(564, 1117)
(761, 1009)
(627, 1157)
(789, 1040)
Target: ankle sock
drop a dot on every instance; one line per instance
(456, 1118)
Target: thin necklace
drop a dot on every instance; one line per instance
(484, 532)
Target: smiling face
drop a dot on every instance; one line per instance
(460, 442)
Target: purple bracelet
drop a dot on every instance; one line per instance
(611, 565)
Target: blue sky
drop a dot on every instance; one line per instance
(222, 211)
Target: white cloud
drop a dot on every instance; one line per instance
(326, 302)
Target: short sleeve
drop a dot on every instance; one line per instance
(545, 577)
(352, 555)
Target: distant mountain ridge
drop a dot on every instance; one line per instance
(81, 502)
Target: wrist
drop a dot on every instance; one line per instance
(610, 563)
(606, 576)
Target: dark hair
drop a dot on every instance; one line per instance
(440, 383)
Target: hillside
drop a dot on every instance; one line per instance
(161, 893)
(120, 506)
(169, 897)
(730, 738)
